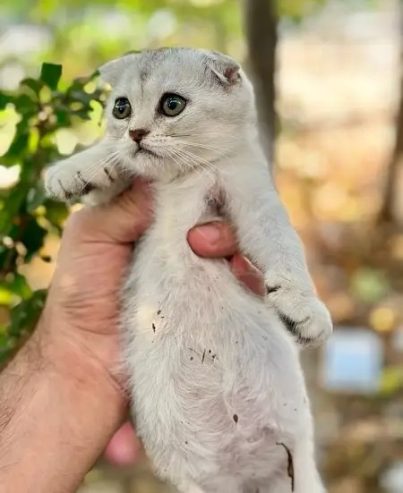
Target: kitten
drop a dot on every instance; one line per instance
(219, 397)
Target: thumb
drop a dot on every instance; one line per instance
(122, 221)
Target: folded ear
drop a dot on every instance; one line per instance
(111, 71)
(224, 68)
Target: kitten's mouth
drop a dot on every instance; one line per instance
(144, 150)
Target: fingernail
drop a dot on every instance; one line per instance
(209, 233)
(238, 263)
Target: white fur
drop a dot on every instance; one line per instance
(218, 391)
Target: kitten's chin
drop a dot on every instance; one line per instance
(146, 164)
(150, 165)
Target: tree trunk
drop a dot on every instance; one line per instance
(261, 33)
(387, 213)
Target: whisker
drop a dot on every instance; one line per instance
(196, 163)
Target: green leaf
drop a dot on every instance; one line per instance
(15, 284)
(17, 147)
(82, 114)
(63, 116)
(32, 237)
(20, 286)
(56, 212)
(33, 84)
(36, 196)
(25, 315)
(8, 257)
(4, 100)
(6, 295)
(81, 97)
(7, 345)
(9, 217)
(50, 74)
(25, 105)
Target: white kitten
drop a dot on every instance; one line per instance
(219, 397)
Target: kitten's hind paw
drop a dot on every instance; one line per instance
(305, 317)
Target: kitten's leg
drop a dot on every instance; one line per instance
(93, 174)
(306, 476)
(214, 485)
(186, 486)
(224, 484)
(299, 474)
(299, 469)
(267, 237)
(272, 485)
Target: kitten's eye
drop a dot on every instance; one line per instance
(122, 108)
(172, 104)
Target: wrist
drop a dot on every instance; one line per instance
(70, 364)
(81, 355)
(63, 409)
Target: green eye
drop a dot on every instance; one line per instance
(172, 104)
(121, 108)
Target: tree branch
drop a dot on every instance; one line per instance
(261, 32)
(387, 209)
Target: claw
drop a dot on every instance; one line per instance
(68, 195)
(87, 186)
(292, 327)
(108, 174)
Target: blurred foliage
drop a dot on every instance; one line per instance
(26, 214)
(84, 34)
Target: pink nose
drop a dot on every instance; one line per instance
(138, 134)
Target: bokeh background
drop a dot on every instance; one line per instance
(329, 80)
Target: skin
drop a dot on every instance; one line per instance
(63, 396)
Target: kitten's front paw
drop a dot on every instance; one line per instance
(303, 315)
(67, 182)
(63, 184)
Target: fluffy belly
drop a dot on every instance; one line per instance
(215, 377)
(223, 405)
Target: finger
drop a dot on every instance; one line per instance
(121, 221)
(124, 448)
(249, 275)
(213, 240)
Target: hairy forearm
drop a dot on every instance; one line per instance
(58, 410)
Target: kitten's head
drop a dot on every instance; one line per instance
(176, 109)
